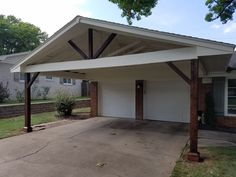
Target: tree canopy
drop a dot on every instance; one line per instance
(18, 36)
(222, 9)
(135, 9)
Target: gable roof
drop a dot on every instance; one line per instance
(79, 23)
(13, 58)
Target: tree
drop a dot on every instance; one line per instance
(18, 36)
(134, 9)
(222, 9)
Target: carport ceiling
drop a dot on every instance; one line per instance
(130, 45)
(215, 63)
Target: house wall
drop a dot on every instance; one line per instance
(229, 121)
(166, 95)
(217, 88)
(54, 85)
(219, 95)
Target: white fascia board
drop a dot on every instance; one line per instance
(16, 69)
(206, 51)
(178, 39)
(180, 54)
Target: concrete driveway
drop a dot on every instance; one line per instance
(98, 147)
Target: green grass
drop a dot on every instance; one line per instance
(13, 126)
(35, 101)
(218, 162)
(81, 110)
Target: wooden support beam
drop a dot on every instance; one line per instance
(179, 72)
(74, 46)
(105, 45)
(193, 154)
(94, 98)
(90, 42)
(33, 79)
(139, 99)
(27, 127)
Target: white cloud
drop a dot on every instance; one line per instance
(49, 15)
(230, 27)
(215, 26)
(167, 20)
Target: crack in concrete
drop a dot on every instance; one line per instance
(27, 155)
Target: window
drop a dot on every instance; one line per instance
(67, 81)
(231, 96)
(49, 78)
(22, 77)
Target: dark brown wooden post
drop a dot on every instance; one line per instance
(193, 154)
(139, 99)
(94, 98)
(27, 127)
(90, 43)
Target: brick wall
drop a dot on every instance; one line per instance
(94, 98)
(226, 122)
(18, 110)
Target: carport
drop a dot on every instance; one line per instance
(133, 72)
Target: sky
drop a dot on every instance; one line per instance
(175, 16)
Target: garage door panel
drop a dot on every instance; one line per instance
(116, 99)
(167, 101)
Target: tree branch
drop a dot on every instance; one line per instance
(222, 11)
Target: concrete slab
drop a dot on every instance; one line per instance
(98, 147)
(216, 138)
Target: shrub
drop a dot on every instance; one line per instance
(19, 95)
(45, 92)
(210, 118)
(4, 92)
(64, 103)
(36, 93)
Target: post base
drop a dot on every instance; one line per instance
(28, 129)
(194, 157)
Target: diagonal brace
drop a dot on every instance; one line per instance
(179, 72)
(74, 46)
(33, 79)
(105, 45)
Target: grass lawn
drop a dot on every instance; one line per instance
(13, 126)
(218, 162)
(35, 101)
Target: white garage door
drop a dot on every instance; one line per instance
(167, 101)
(117, 99)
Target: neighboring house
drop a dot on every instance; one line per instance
(16, 80)
(131, 58)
